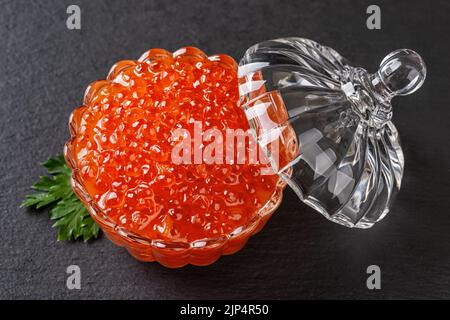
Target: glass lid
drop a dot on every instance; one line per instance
(326, 126)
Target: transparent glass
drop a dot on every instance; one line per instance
(326, 126)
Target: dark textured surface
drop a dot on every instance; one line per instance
(45, 68)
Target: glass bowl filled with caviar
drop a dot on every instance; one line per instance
(163, 158)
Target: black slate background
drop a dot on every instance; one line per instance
(45, 68)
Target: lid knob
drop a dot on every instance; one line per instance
(401, 73)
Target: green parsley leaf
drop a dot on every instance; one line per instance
(72, 220)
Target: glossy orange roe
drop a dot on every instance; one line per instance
(123, 144)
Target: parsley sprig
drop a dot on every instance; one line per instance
(72, 220)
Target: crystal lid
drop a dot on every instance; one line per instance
(326, 126)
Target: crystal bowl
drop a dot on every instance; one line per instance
(172, 254)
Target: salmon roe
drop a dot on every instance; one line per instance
(122, 146)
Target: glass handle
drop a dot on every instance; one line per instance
(401, 73)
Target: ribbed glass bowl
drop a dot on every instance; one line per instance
(171, 254)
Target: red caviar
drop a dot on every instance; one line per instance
(122, 142)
